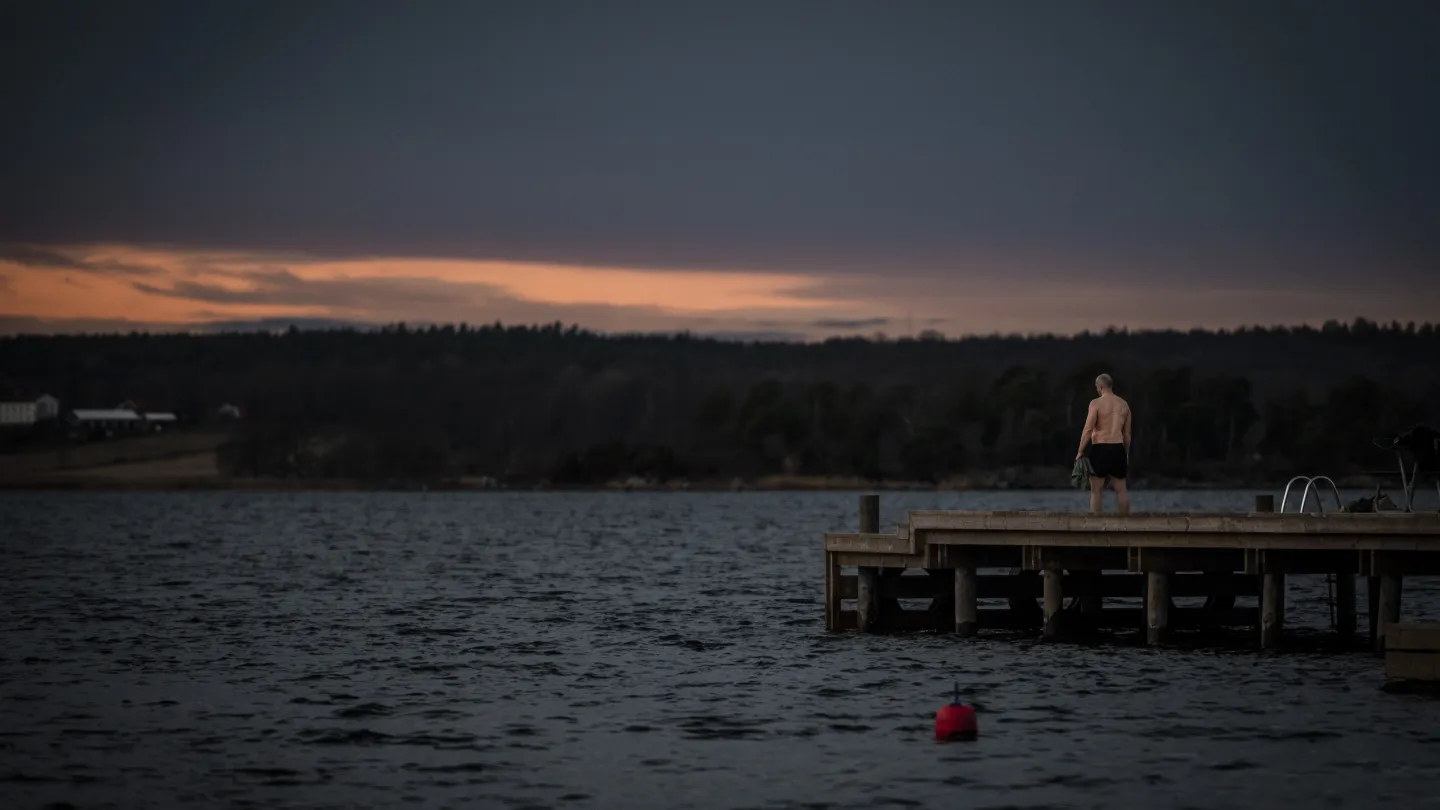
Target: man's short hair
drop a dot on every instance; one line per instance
(1104, 381)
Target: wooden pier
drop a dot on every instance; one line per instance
(949, 561)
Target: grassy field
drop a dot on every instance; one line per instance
(177, 455)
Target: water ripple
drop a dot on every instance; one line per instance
(616, 650)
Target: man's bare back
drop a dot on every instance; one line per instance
(1107, 432)
(1112, 420)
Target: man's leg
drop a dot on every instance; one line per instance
(1122, 496)
(1097, 485)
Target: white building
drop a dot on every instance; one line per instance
(28, 413)
(108, 419)
(159, 420)
(124, 419)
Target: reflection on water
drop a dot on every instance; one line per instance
(616, 650)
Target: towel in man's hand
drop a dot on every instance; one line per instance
(1081, 472)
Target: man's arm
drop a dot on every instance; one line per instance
(1085, 432)
(1125, 431)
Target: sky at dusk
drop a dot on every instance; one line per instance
(781, 169)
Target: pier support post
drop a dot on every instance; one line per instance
(1157, 607)
(1345, 605)
(1272, 609)
(1054, 602)
(832, 592)
(1389, 608)
(867, 598)
(1272, 592)
(867, 578)
(1372, 608)
(967, 600)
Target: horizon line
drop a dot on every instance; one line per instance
(282, 326)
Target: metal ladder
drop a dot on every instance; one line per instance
(1310, 483)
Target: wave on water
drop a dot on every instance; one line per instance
(638, 650)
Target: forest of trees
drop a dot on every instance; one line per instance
(549, 403)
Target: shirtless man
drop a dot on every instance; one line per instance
(1107, 430)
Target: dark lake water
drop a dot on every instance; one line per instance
(529, 650)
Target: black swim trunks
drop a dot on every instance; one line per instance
(1109, 461)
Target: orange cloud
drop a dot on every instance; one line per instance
(110, 283)
(161, 286)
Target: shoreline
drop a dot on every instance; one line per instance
(775, 484)
(189, 462)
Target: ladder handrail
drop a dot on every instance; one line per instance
(1310, 482)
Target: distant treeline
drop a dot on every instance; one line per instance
(560, 404)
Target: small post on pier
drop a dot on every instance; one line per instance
(1157, 607)
(869, 513)
(967, 600)
(1054, 602)
(867, 578)
(1389, 607)
(1345, 605)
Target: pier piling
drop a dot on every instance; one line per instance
(1389, 607)
(1272, 609)
(1157, 607)
(1272, 590)
(1054, 603)
(868, 595)
(1345, 605)
(1372, 603)
(967, 601)
(867, 598)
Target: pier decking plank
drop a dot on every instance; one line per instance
(1376, 531)
(868, 543)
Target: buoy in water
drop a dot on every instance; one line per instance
(955, 721)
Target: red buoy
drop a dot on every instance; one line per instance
(955, 721)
